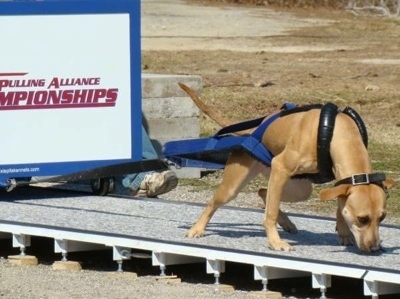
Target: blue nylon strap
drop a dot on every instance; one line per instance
(213, 152)
(259, 132)
(258, 122)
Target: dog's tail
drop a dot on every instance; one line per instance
(207, 110)
(218, 118)
(221, 121)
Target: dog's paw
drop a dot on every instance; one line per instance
(280, 246)
(286, 224)
(194, 233)
(346, 240)
(345, 237)
(290, 228)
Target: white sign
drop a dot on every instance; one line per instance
(65, 88)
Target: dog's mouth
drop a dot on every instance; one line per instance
(374, 251)
(368, 248)
(371, 249)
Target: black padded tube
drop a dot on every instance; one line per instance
(325, 132)
(359, 122)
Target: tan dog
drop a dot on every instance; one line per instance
(292, 140)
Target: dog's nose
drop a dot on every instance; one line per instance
(375, 247)
(370, 246)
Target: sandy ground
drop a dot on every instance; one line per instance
(174, 25)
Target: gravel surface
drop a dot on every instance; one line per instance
(98, 277)
(231, 229)
(43, 282)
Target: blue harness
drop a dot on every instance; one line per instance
(213, 152)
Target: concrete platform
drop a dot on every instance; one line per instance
(169, 113)
(79, 222)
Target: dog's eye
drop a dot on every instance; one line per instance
(363, 220)
(382, 217)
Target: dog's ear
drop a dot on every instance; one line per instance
(334, 192)
(388, 183)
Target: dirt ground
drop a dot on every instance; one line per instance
(313, 55)
(176, 26)
(294, 55)
(252, 60)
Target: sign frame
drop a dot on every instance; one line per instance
(130, 10)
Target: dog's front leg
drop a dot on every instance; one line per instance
(239, 170)
(345, 236)
(276, 184)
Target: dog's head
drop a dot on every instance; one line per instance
(363, 208)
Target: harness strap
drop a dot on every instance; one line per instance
(359, 122)
(259, 132)
(297, 109)
(240, 126)
(325, 132)
(326, 126)
(249, 124)
(364, 179)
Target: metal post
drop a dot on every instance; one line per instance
(373, 288)
(21, 241)
(321, 281)
(119, 255)
(160, 258)
(216, 267)
(261, 273)
(61, 246)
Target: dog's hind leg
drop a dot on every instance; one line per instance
(239, 170)
(283, 219)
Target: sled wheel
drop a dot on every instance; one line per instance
(102, 186)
